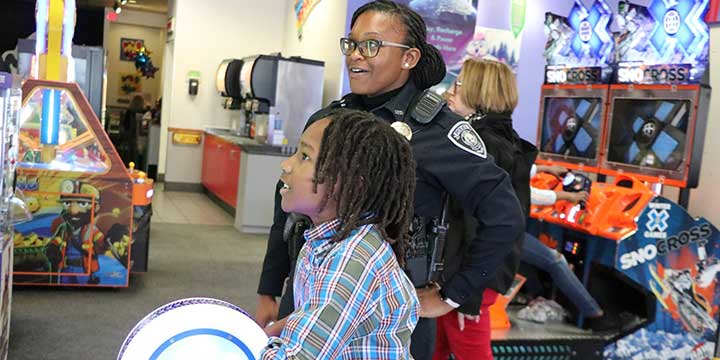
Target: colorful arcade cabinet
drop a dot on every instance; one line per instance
(81, 233)
(647, 261)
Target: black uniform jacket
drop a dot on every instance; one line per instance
(515, 156)
(445, 162)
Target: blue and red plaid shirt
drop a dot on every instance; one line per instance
(352, 300)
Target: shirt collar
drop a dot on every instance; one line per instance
(397, 107)
(324, 231)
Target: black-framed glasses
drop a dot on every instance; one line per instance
(368, 48)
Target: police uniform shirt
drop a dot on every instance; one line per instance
(450, 157)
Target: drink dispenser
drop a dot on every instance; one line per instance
(281, 94)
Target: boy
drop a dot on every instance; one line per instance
(354, 176)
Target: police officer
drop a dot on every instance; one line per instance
(389, 64)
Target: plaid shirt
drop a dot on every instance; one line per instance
(352, 300)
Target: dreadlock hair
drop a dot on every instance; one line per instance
(374, 170)
(430, 69)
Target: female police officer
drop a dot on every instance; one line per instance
(389, 64)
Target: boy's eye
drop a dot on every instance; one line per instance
(304, 156)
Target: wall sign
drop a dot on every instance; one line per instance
(130, 47)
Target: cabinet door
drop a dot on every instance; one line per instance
(223, 173)
(218, 176)
(206, 164)
(210, 163)
(233, 173)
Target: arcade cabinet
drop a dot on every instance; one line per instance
(82, 230)
(658, 264)
(579, 57)
(657, 117)
(9, 114)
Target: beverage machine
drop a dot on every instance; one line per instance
(277, 95)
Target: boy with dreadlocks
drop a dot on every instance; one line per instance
(354, 176)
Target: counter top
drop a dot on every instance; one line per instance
(250, 146)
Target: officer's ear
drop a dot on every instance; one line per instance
(411, 58)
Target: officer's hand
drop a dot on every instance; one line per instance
(462, 317)
(431, 304)
(266, 311)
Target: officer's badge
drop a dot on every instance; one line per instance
(402, 129)
(465, 137)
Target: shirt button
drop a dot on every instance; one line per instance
(484, 273)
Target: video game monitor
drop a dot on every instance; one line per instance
(571, 126)
(653, 134)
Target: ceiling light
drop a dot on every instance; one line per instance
(118, 9)
(123, 2)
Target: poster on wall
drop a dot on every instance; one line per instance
(450, 26)
(129, 47)
(713, 15)
(496, 44)
(130, 83)
(453, 28)
(303, 8)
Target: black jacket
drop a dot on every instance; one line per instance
(515, 156)
(444, 163)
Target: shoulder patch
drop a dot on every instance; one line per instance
(465, 137)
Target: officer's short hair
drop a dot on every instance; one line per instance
(488, 86)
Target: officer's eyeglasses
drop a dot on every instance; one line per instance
(368, 48)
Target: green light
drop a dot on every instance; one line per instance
(517, 16)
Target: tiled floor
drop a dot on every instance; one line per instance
(180, 207)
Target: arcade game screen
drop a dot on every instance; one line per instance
(571, 126)
(649, 132)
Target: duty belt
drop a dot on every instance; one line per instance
(417, 258)
(425, 260)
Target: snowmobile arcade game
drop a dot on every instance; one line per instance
(626, 113)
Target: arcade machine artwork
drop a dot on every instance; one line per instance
(578, 55)
(652, 133)
(659, 105)
(77, 187)
(655, 131)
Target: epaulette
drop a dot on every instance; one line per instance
(426, 107)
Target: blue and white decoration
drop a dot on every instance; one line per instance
(592, 43)
(195, 328)
(665, 33)
(680, 34)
